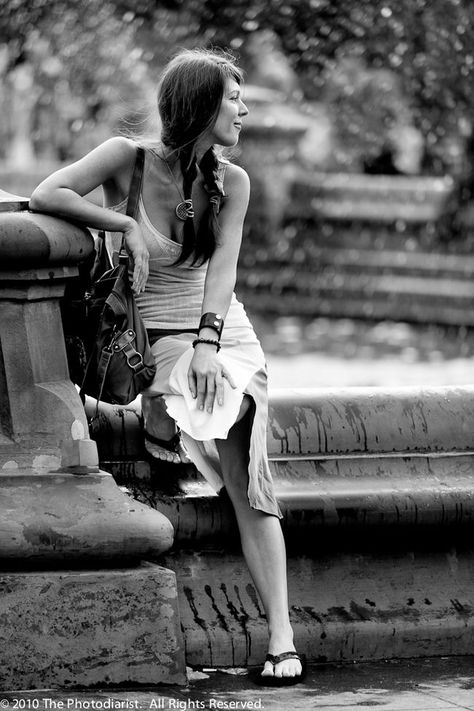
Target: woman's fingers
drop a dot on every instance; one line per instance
(140, 273)
(192, 383)
(208, 387)
(228, 377)
(211, 392)
(220, 387)
(137, 248)
(201, 381)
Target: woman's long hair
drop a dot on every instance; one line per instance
(189, 98)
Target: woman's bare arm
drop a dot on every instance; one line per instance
(110, 165)
(205, 373)
(222, 269)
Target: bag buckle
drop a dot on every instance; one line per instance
(124, 343)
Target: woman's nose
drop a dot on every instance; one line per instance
(243, 111)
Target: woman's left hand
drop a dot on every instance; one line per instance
(206, 377)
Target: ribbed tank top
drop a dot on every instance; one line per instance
(174, 292)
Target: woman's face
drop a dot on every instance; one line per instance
(226, 129)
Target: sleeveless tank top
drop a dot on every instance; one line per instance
(174, 292)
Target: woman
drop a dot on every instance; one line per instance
(184, 245)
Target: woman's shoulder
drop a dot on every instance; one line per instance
(119, 154)
(119, 148)
(233, 176)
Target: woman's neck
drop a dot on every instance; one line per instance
(200, 148)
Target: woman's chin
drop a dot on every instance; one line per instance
(227, 142)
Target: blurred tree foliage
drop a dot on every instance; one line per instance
(428, 44)
(73, 67)
(104, 53)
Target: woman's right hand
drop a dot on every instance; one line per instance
(206, 377)
(140, 255)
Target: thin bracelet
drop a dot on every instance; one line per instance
(209, 341)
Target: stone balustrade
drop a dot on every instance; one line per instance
(83, 598)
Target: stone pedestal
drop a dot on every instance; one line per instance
(77, 606)
(81, 628)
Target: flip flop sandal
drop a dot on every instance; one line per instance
(172, 445)
(281, 680)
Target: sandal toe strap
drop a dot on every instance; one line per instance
(171, 444)
(277, 658)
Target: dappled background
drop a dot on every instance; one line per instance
(357, 264)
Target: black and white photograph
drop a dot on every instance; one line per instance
(236, 355)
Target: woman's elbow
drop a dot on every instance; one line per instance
(41, 200)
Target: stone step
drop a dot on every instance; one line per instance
(376, 488)
(344, 607)
(383, 198)
(327, 281)
(368, 261)
(358, 306)
(359, 293)
(355, 459)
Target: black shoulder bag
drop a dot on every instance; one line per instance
(120, 363)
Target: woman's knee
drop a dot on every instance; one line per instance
(155, 414)
(154, 405)
(245, 407)
(234, 459)
(237, 490)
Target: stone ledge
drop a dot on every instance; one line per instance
(58, 518)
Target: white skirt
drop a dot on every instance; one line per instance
(243, 357)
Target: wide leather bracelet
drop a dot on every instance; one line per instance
(214, 321)
(209, 341)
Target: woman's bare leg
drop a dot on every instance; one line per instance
(263, 545)
(159, 424)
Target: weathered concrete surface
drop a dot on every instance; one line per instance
(323, 421)
(371, 420)
(403, 496)
(90, 627)
(343, 459)
(53, 518)
(349, 607)
(377, 491)
(30, 241)
(42, 421)
(406, 685)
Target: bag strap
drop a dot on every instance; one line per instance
(134, 191)
(136, 183)
(135, 188)
(104, 360)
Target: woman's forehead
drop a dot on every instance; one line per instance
(231, 85)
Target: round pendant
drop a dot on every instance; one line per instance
(184, 209)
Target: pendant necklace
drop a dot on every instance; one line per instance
(185, 208)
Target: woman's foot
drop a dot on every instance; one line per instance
(283, 665)
(166, 450)
(162, 439)
(283, 669)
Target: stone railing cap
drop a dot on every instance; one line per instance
(12, 203)
(34, 240)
